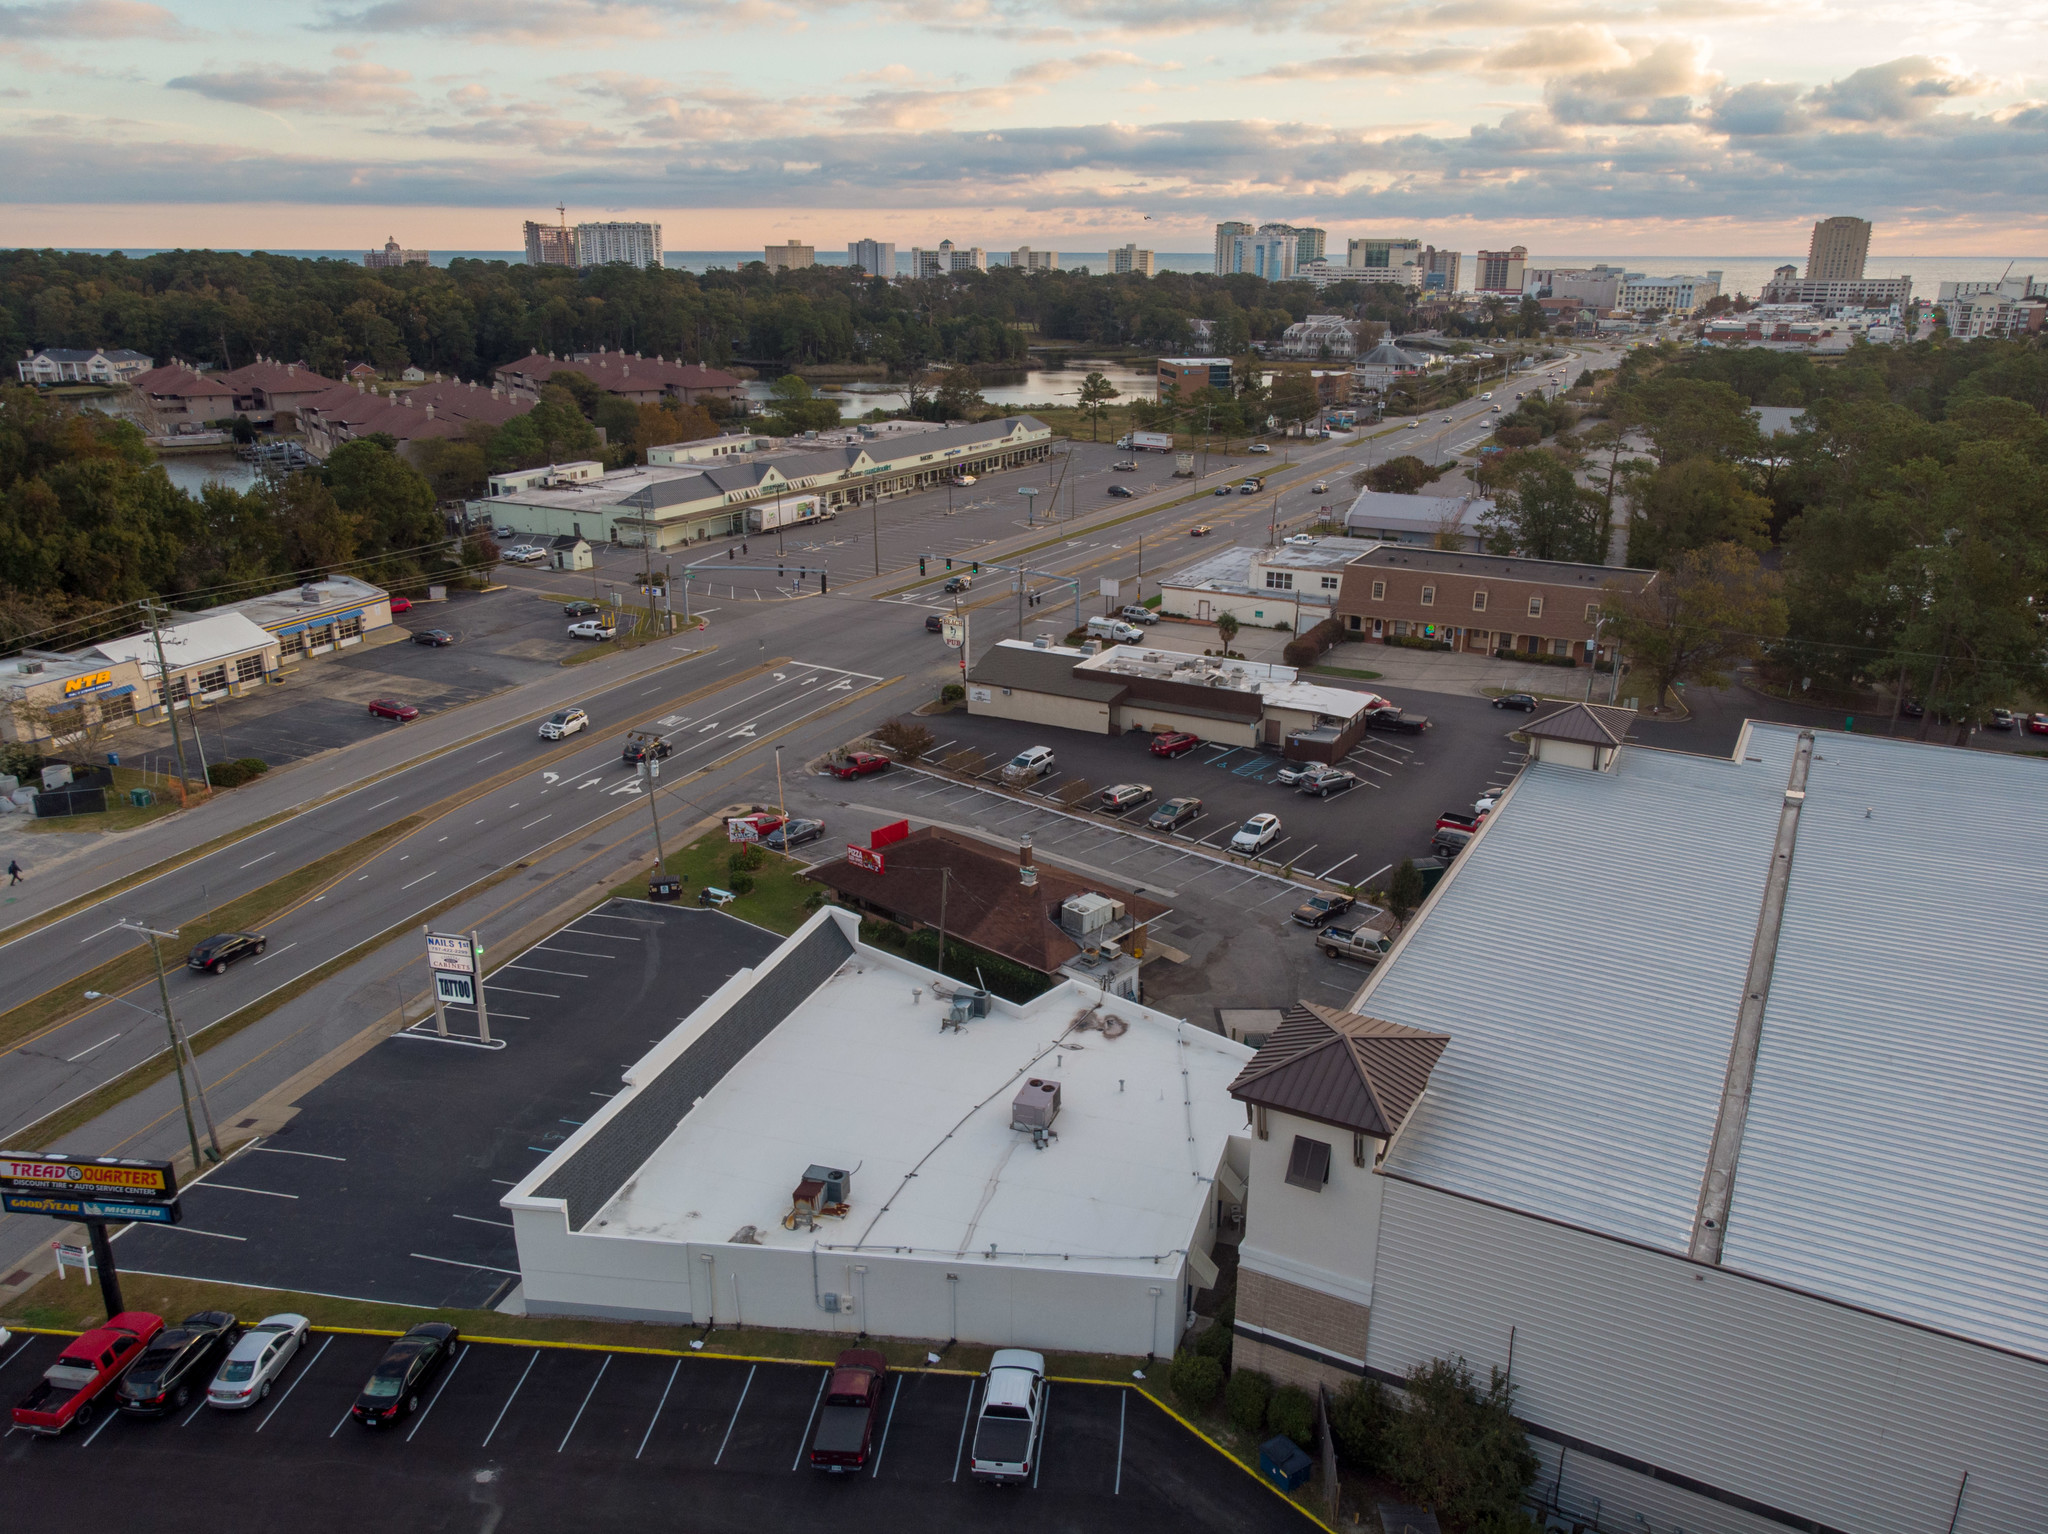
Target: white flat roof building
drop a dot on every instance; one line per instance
(833, 1055)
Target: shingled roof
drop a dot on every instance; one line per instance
(1595, 724)
(1340, 1068)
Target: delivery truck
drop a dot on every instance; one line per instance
(791, 511)
(1146, 442)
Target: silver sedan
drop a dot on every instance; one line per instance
(257, 1360)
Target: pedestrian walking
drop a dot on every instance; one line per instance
(13, 873)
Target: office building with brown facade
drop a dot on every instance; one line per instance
(1483, 603)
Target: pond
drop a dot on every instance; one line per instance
(1007, 390)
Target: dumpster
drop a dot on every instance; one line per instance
(664, 887)
(1284, 1462)
(141, 798)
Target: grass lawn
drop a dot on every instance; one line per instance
(1361, 676)
(781, 899)
(120, 815)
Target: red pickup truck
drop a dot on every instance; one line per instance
(845, 1433)
(68, 1393)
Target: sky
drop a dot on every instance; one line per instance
(1622, 126)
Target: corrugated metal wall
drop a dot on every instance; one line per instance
(1829, 1414)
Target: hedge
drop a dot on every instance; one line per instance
(1416, 642)
(1292, 1411)
(1244, 1399)
(234, 774)
(1195, 1378)
(1567, 661)
(1305, 649)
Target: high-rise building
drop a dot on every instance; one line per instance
(791, 257)
(1439, 270)
(947, 260)
(1227, 236)
(1131, 259)
(875, 257)
(1271, 253)
(550, 244)
(630, 244)
(1309, 243)
(1500, 271)
(1035, 260)
(1838, 250)
(392, 255)
(1389, 260)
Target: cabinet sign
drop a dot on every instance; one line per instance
(90, 680)
(71, 1207)
(63, 1175)
(860, 857)
(450, 953)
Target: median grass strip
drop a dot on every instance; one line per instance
(781, 899)
(245, 913)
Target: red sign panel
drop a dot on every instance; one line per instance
(889, 833)
(860, 857)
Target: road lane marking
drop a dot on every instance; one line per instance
(532, 823)
(288, 947)
(586, 1402)
(749, 1385)
(382, 802)
(254, 861)
(491, 758)
(101, 1045)
(658, 1405)
(493, 1433)
(422, 879)
(101, 933)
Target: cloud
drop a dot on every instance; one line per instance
(100, 20)
(1760, 110)
(1047, 71)
(1542, 49)
(346, 88)
(1901, 91)
(1359, 66)
(1655, 87)
(551, 23)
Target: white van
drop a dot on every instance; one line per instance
(1115, 630)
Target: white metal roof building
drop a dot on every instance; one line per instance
(676, 1201)
(1743, 1175)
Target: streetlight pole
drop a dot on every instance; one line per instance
(875, 515)
(181, 1048)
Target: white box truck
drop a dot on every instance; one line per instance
(789, 512)
(1146, 442)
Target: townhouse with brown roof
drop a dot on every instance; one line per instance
(1484, 603)
(643, 380)
(345, 413)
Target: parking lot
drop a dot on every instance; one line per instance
(518, 1437)
(353, 1200)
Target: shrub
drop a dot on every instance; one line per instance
(745, 859)
(1304, 649)
(1416, 642)
(1404, 890)
(904, 741)
(1292, 1411)
(952, 692)
(1518, 436)
(741, 884)
(1359, 1416)
(1194, 1378)
(235, 773)
(1567, 661)
(1457, 1447)
(1216, 1340)
(1075, 636)
(1244, 1398)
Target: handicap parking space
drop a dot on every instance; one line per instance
(561, 1434)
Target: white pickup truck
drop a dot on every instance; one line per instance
(1012, 1423)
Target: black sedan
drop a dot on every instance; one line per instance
(580, 609)
(215, 954)
(1520, 700)
(178, 1363)
(1122, 492)
(638, 751)
(438, 638)
(795, 834)
(403, 1374)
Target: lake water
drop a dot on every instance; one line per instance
(191, 471)
(1014, 391)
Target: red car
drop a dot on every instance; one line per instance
(68, 1394)
(401, 605)
(860, 764)
(2037, 724)
(391, 708)
(1174, 743)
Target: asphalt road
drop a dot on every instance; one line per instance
(515, 1438)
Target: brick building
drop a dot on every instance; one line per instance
(1481, 602)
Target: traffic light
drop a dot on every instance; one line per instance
(824, 581)
(949, 561)
(977, 568)
(920, 564)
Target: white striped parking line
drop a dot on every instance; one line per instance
(294, 1385)
(658, 1405)
(586, 1402)
(439, 1391)
(804, 1442)
(966, 1417)
(493, 1433)
(882, 1447)
(1122, 1405)
(742, 1401)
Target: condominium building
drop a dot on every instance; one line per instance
(630, 244)
(1500, 271)
(1310, 244)
(1227, 236)
(947, 260)
(1674, 295)
(1838, 250)
(1129, 258)
(1396, 261)
(550, 244)
(1027, 259)
(1788, 287)
(1440, 270)
(1594, 287)
(101, 365)
(790, 257)
(392, 255)
(875, 257)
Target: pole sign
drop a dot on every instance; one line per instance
(861, 857)
(66, 1208)
(74, 1177)
(454, 990)
(953, 629)
(446, 951)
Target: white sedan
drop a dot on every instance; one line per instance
(1256, 833)
(248, 1372)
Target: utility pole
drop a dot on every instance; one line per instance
(163, 682)
(652, 767)
(181, 1052)
(781, 800)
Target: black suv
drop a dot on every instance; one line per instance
(638, 751)
(179, 1360)
(217, 953)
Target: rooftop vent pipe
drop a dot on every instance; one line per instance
(1027, 871)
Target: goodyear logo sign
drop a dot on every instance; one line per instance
(87, 682)
(59, 1174)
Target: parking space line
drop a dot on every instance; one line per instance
(294, 1385)
(1335, 866)
(237, 1188)
(195, 1411)
(566, 974)
(1123, 1405)
(441, 1390)
(883, 1447)
(26, 1342)
(966, 1417)
(493, 1433)
(515, 991)
(1286, 891)
(824, 1375)
(742, 1401)
(501, 1224)
(192, 1230)
(586, 1402)
(574, 953)
(658, 1405)
(481, 1267)
(1044, 1426)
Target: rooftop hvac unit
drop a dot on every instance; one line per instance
(1037, 1104)
(310, 595)
(1090, 912)
(838, 1184)
(964, 1006)
(1109, 951)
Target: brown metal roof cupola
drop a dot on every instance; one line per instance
(1340, 1068)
